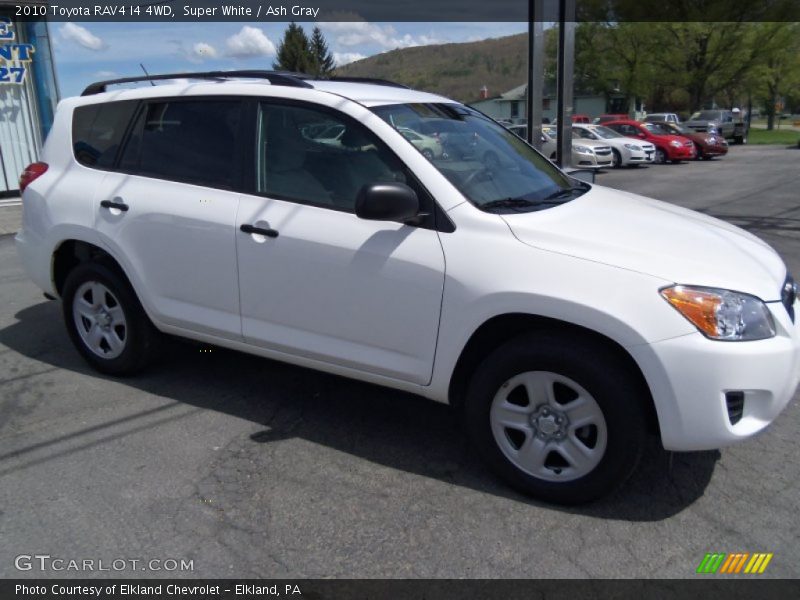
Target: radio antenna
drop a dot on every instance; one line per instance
(147, 74)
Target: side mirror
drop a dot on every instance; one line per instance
(387, 202)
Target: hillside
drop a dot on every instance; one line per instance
(458, 71)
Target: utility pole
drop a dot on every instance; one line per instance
(535, 91)
(564, 81)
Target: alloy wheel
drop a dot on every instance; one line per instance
(100, 320)
(548, 426)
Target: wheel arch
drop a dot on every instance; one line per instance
(502, 328)
(69, 253)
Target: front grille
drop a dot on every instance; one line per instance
(735, 403)
(602, 151)
(789, 295)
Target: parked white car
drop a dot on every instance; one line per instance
(548, 144)
(586, 154)
(563, 320)
(625, 151)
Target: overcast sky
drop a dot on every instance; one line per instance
(86, 52)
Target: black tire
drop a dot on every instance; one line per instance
(601, 373)
(141, 337)
(661, 157)
(700, 154)
(616, 160)
(427, 153)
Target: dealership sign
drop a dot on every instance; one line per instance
(15, 58)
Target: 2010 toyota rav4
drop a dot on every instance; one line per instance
(564, 320)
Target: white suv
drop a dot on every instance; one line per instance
(563, 320)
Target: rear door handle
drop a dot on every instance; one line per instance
(112, 204)
(259, 230)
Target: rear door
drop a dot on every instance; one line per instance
(168, 211)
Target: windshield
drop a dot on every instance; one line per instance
(706, 115)
(605, 132)
(657, 128)
(490, 166)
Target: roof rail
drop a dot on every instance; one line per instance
(274, 77)
(371, 80)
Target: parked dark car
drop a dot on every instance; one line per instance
(708, 145)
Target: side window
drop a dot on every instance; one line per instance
(191, 141)
(97, 131)
(300, 160)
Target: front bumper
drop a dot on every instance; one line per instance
(641, 156)
(690, 375)
(591, 161)
(681, 152)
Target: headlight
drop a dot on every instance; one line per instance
(675, 143)
(633, 147)
(582, 149)
(722, 314)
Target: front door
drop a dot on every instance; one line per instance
(318, 282)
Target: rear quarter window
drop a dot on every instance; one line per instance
(97, 132)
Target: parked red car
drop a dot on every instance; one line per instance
(708, 145)
(581, 119)
(668, 147)
(603, 119)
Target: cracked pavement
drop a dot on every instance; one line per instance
(252, 468)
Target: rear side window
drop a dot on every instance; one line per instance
(189, 141)
(97, 131)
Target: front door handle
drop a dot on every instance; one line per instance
(259, 230)
(114, 204)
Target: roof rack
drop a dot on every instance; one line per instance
(274, 77)
(371, 80)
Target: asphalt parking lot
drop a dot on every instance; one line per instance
(252, 468)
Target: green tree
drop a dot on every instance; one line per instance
(294, 52)
(323, 59)
(778, 76)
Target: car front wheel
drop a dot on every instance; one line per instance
(105, 320)
(560, 420)
(661, 156)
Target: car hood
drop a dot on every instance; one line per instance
(648, 236)
(589, 143)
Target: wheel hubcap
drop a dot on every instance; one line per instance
(548, 426)
(100, 320)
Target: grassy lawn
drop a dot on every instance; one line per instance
(783, 137)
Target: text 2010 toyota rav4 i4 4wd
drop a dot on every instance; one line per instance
(294, 220)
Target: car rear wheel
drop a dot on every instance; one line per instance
(561, 421)
(427, 153)
(105, 320)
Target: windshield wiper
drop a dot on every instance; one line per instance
(566, 193)
(510, 203)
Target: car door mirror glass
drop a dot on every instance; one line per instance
(387, 201)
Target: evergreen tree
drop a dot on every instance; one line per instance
(294, 52)
(323, 59)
